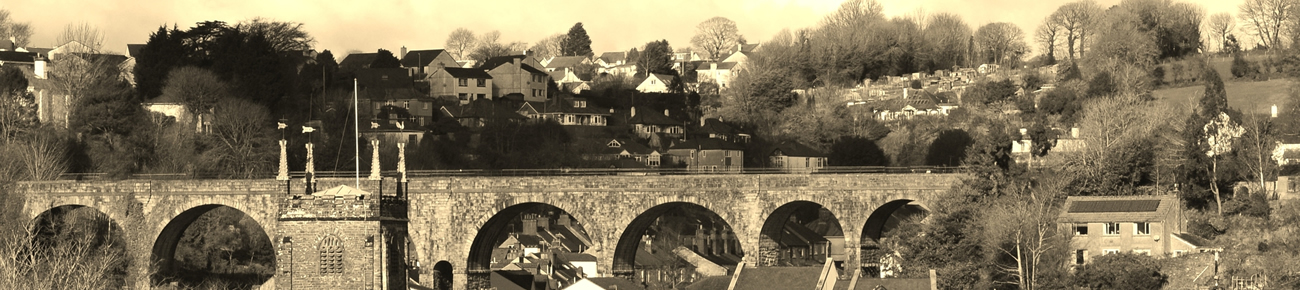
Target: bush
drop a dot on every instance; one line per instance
(1120, 271)
(1242, 68)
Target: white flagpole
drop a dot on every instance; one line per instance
(356, 113)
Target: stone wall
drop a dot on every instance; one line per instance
(446, 214)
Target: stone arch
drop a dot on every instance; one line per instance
(624, 260)
(889, 215)
(442, 276)
(48, 231)
(777, 229)
(480, 252)
(163, 251)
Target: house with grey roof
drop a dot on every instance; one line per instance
(421, 62)
(518, 75)
(1149, 225)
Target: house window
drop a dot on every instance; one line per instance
(654, 160)
(482, 83)
(426, 106)
(1109, 251)
(778, 161)
(1178, 253)
(464, 82)
(1081, 229)
(1080, 257)
(480, 96)
(331, 256)
(1112, 229)
(1146, 252)
(1142, 228)
(406, 105)
(463, 96)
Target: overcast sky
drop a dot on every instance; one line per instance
(352, 25)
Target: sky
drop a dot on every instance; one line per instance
(350, 25)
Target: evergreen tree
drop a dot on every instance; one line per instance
(385, 59)
(657, 58)
(577, 43)
(164, 51)
(1196, 167)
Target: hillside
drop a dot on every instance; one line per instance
(1246, 96)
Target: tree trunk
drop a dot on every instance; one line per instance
(1214, 184)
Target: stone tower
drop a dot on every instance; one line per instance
(343, 237)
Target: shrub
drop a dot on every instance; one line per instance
(1241, 68)
(1120, 271)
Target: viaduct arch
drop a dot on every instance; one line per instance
(443, 216)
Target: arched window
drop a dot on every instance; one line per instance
(331, 256)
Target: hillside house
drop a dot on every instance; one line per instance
(476, 114)
(646, 122)
(1149, 225)
(713, 155)
(517, 75)
(463, 84)
(624, 149)
(655, 83)
(717, 129)
(719, 73)
(570, 111)
(422, 62)
(611, 59)
(795, 157)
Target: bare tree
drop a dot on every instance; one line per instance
(716, 36)
(946, 35)
(1046, 35)
(1025, 229)
(283, 36)
(1220, 25)
(1266, 19)
(461, 42)
(1078, 19)
(19, 32)
(1000, 41)
(549, 46)
(241, 131)
(197, 88)
(85, 34)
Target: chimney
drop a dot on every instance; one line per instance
(665, 112)
(544, 222)
(904, 93)
(530, 225)
(39, 69)
(1024, 134)
(632, 112)
(1074, 132)
(564, 220)
(713, 66)
(403, 52)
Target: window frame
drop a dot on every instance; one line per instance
(1110, 229)
(462, 82)
(1080, 256)
(1084, 231)
(1109, 251)
(1139, 226)
(330, 256)
(481, 82)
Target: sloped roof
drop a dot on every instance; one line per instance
(511, 280)
(134, 50)
(708, 144)
(746, 48)
(584, 284)
(386, 78)
(531, 69)
(556, 75)
(358, 60)
(616, 283)
(1192, 240)
(482, 109)
(494, 62)
(473, 73)
(565, 61)
(715, 126)
(721, 66)
(791, 148)
(711, 283)
(566, 106)
(1118, 208)
(779, 278)
(418, 58)
(647, 116)
(17, 56)
(529, 240)
(866, 283)
(614, 56)
(623, 145)
(1289, 138)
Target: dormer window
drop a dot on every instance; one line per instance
(579, 104)
(614, 144)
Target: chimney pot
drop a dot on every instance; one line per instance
(1074, 132)
(632, 112)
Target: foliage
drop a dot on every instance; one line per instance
(990, 92)
(385, 59)
(1199, 170)
(716, 37)
(949, 149)
(241, 140)
(80, 249)
(197, 88)
(20, 32)
(17, 105)
(1001, 43)
(856, 151)
(1241, 68)
(460, 43)
(576, 43)
(657, 58)
(548, 47)
(1120, 271)
(516, 145)
(282, 36)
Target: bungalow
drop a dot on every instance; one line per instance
(564, 62)
(624, 149)
(646, 122)
(611, 59)
(517, 74)
(622, 69)
(655, 83)
(569, 111)
(709, 155)
(795, 157)
(464, 84)
(421, 62)
(719, 73)
(717, 129)
(1148, 225)
(477, 114)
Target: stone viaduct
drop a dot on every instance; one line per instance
(453, 220)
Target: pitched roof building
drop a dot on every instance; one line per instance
(1150, 225)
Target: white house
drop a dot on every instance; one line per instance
(655, 83)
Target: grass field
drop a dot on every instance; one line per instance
(1249, 97)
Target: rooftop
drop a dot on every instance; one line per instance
(1118, 208)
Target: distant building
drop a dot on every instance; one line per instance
(1148, 225)
(709, 155)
